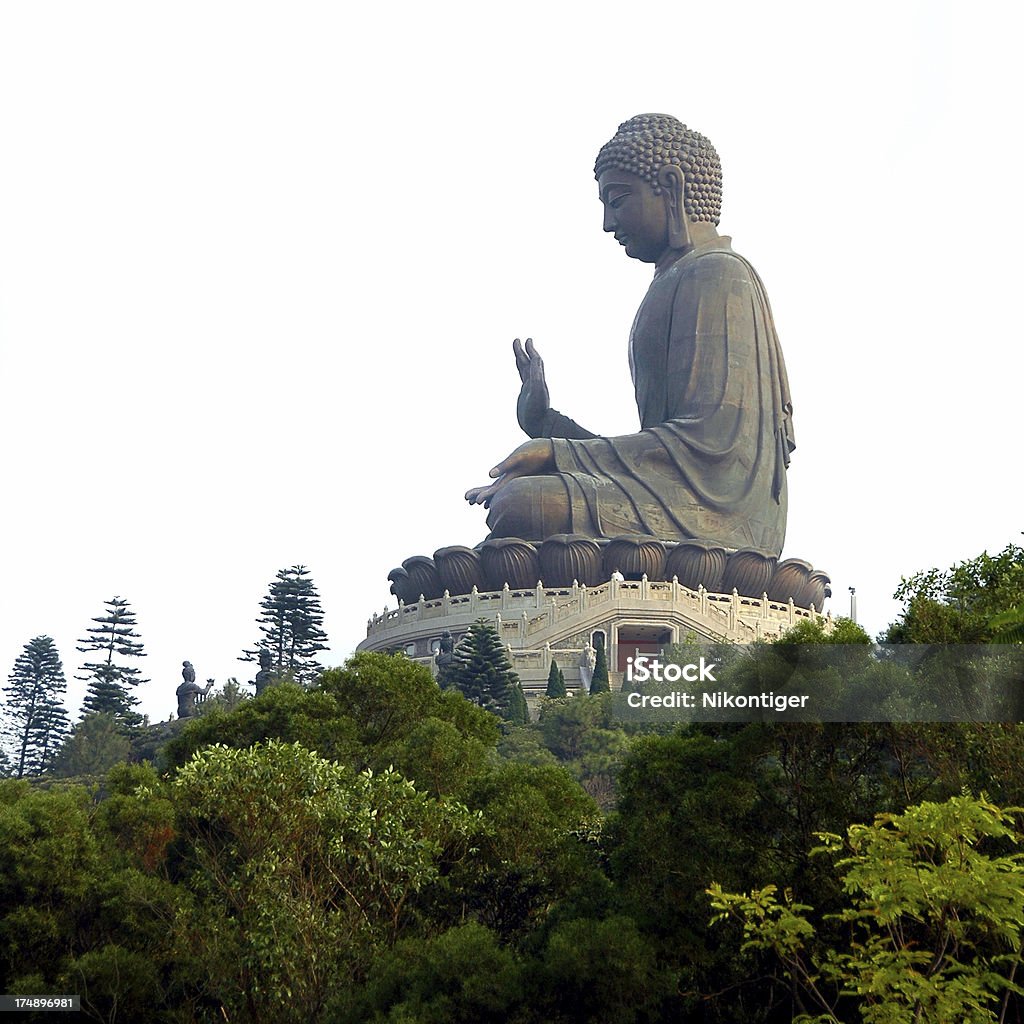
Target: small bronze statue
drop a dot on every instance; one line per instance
(445, 659)
(190, 691)
(264, 677)
(709, 461)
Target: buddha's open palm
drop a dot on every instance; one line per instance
(534, 400)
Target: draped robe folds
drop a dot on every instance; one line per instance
(709, 461)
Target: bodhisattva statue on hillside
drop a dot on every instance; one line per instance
(264, 677)
(709, 461)
(189, 690)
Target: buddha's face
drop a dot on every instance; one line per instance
(638, 217)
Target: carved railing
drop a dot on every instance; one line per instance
(526, 613)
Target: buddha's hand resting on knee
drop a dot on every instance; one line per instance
(530, 459)
(534, 401)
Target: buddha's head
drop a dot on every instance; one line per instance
(648, 144)
(656, 179)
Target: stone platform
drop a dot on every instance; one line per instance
(541, 624)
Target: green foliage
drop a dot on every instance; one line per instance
(283, 712)
(602, 970)
(438, 756)
(599, 683)
(739, 804)
(481, 672)
(303, 857)
(533, 846)
(376, 712)
(116, 983)
(92, 748)
(35, 711)
(80, 911)
(518, 710)
(524, 744)
(463, 976)
(110, 681)
(959, 605)
(49, 862)
(226, 698)
(584, 735)
(291, 623)
(1008, 627)
(301, 868)
(556, 681)
(843, 631)
(933, 914)
(138, 815)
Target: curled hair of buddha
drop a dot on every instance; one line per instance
(644, 144)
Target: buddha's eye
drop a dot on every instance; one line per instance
(617, 202)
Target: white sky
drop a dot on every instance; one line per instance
(261, 266)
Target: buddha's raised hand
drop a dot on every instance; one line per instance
(534, 400)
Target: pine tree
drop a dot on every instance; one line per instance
(482, 671)
(92, 747)
(518, 710)
(600, 684)
(290, 624)
(109, 682)
(556, 681)
(35, 709)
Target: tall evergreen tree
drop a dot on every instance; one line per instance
(290, 622)
(110, 682)
(93, 747)
(483, 674)
(556, 681)
(518, 712)
(36, 715)
(600, 683)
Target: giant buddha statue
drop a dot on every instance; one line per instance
(709, 460)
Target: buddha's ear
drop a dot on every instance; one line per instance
(670, 179)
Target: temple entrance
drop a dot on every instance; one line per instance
(633, 639)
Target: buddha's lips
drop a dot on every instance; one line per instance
(622, 239)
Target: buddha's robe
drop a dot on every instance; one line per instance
(710, 459)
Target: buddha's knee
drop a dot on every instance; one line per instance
(531, 507)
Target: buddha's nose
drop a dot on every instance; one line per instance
(609, 219)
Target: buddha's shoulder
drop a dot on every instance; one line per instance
(717, 261)
(713, 261)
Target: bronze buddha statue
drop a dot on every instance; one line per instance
(709, 461)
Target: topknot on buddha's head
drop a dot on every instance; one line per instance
(644, 144)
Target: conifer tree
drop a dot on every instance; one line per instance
(290, 622)
(599, 683)
(482, 672)
(518, 710)
(93, 746)
(110, 682)
(37, 718)
(556, 681)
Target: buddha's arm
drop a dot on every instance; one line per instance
(557, 425)
(625, 454)
(533, 409)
